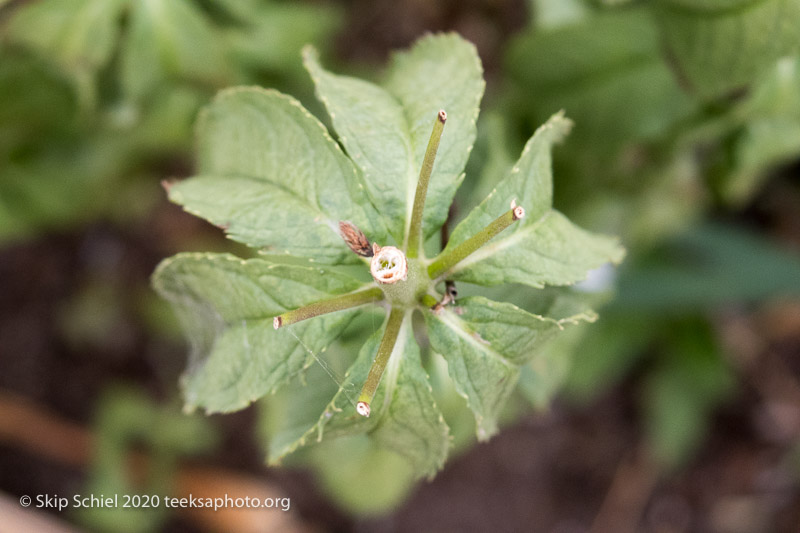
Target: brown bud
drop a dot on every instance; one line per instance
(355, 239)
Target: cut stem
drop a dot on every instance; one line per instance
(381, 359)
(338, 303)
(448, 259)
(415, 228)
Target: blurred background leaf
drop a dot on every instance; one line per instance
(100, 96)
(720, 46)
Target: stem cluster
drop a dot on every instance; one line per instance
(401, 290)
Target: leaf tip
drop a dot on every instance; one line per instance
(442, 116)
(277, 322)
(308, 50)
(167, 184)
(310, 57)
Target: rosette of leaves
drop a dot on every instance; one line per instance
(271, 175)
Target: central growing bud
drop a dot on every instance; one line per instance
(405, 278)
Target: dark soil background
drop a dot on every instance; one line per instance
(573, 469)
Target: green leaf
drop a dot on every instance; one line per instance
(684, 391)
(349, 467)
(771, 134)
(226, 306)
(170, 39)
(272, 177)
(386, 130)
(371, 126)
(361, 476)
(439, 72)
(292, 413)
(404, 416)
(720, 46)
(710, 266)
(485, 343)
(411, 423)
(129, 420)
(544, 248)
(79, 34)
(607, 351)
(272, 35)
(48, 190)
(40, 113)
(545, 375)
(607, 70)
(547, 14)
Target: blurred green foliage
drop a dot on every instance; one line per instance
(720, 46)
(128, 421)
(664, 311)
(682, 108)
(650, 152)
(99, 96)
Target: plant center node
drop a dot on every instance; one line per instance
(405, 292)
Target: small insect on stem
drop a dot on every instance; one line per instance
(450, 294)
(450, 290)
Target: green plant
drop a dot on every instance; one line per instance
(270, 175)
(127, 421)
(681, 106)
(678, 105)
(97, 97)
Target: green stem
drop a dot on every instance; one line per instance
(415, 228)
(381, 359)
(337, 303)
(448, 259)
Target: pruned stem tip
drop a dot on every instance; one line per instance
(388, 265)
(415, 227)
(450, 258)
